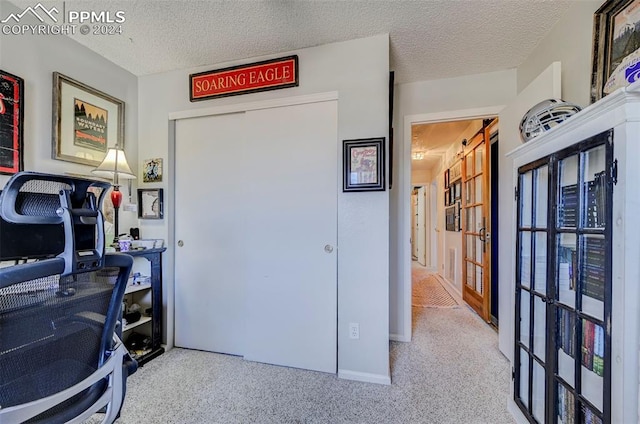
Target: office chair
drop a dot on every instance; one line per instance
(60, 303)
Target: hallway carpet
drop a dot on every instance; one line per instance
(451, 372)
(427, 290)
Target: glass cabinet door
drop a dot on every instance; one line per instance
(583, 286)
(563, 285)
(531, 291)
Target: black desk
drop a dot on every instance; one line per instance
(154, 256)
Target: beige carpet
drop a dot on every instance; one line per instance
(428, 292)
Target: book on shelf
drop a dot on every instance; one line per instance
(593, 268)
(567, 262)
(566, 332)
(566, 405)
(594, 201)
(589, 416)
(593, 347)
(567, 215)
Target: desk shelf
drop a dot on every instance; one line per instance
(149, 296)
(142, 320)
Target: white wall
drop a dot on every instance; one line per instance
(421, 177)
(545, 86)
(427, 97)
(359, 71)
(570, 42)
(35, 58)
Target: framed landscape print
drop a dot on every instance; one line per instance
(11, 123)
(85, 122)
(616, 40)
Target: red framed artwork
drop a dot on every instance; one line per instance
(11, 123)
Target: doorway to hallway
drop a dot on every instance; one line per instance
(451, 209)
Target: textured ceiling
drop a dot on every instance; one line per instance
(430, 39)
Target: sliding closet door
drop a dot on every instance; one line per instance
(291, 257)
(256, 232)
(210, 265)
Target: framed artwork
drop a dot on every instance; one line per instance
(446, 178)
(457, 190)
(450, 218)
(11, 123)
(152, 170)
(85, 122)
(456, 171)
(150, 203)
(616, 36)
(447, 197)
(363, 161)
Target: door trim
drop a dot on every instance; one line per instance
(404, 233)
(262, 104)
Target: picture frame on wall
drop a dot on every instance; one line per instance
(86, 122)
(450, 218)
(457, 190)
(455, 172)
(363, 165)
(11, 123)
(150, 203)
(616, 37)
(446, 178)
(152, 170)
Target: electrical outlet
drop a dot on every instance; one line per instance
(354, 330)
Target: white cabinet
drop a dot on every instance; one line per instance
(577, 267)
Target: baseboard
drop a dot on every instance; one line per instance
(516, 413)
(399, 338)
(364, 377)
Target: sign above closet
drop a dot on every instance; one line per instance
(243, 79)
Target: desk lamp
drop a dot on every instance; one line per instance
(115, 166)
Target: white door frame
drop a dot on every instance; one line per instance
(433, 224)
(421, 214)
(409, 120)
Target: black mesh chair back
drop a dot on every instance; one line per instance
(60, 357)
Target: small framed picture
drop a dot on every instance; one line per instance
(363, 161)
(450, 218)
(152, 170)
(457, 190)
(446, 178)
(150, 203)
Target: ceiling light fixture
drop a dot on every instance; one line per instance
(417, 155)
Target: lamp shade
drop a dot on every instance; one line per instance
(114, 166)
